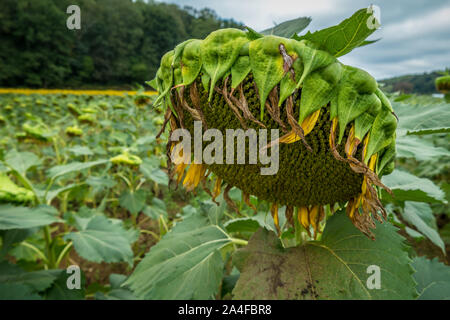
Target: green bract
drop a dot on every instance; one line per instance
(443, 83)
(88, 118)
(11, 193)
(38, 132)
(74, 131)
(127, 159)
(236, 79)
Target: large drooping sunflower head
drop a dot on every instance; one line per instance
(337, 128)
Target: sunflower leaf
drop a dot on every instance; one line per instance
(186, 263)
(336, 267)
(343, 38)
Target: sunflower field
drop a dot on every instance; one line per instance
(358, 209)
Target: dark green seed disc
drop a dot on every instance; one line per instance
(304, 177)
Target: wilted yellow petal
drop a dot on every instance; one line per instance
(309, 123)
(372, 162)
(179, 171)
(313, 217)
(303, 217)
(217, 188)
(351, 142)
(274, 211)
(289, 138)
(194, 176)
(333, 131)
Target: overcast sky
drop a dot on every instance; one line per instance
(415, 33)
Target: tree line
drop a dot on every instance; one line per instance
(412, 83)
(120, 42)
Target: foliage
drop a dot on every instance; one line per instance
(119, 43)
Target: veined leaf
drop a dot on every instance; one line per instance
(289, 28)
(192, 62)
(219, 50)
(420, 216)
(81, 151)
(336, 267)
(381, 132)
(408, 187)
(37, 280)
(318, 89)
(59, 290)
(419, 148)
(117, 292)
(24, 218)
(150, 171)
(421, 120)
(134, 202)
(186, 263)
(156, 209)
(14, 291)
(21, 161)
(102, 240)
(433, 279)
(240, 70)
(343, 38)
(267, 64)
(58, 171)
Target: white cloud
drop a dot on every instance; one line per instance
(414, 35)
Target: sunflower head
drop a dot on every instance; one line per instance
(126, 159)
(74, 131)
(337, 128)
(11, 193)
(443, 84)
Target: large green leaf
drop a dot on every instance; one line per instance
(288, 28)
(344, 37)
(422, 119)
(336, 267)
(58, 171)
(81, 151)
(21, 161)
(153, 173)
(12, 236)
(408, 187)
(53, 193)
(117, 292)
(420, 216)
(419, 148)
(37, 280)
(23, 218)
(60, 291)
(156, 209)
(134, 202)
(14, 291)
(186, 263)
(99, 239)
(433, 279)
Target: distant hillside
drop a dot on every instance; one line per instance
(412, 83)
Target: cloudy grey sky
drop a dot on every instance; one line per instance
(415, 33)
